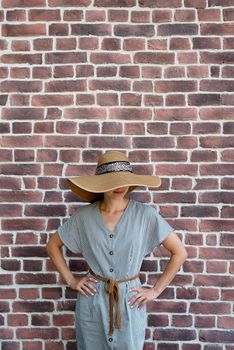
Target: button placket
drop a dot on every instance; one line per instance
(111, 251)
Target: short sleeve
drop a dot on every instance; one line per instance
(157, 229)
(69, 233)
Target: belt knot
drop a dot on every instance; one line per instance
(111, 287)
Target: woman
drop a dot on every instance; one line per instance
(113, 233)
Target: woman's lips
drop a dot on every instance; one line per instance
(118, 191)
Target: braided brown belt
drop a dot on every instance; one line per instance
(111, 287)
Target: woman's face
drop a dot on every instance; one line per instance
(117, 193)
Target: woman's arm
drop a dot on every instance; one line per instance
(178, 256)
(53, 249)
(83, 284)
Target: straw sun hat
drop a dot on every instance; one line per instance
(113, 170)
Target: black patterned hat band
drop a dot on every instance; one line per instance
(113, 166)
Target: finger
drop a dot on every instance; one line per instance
(134, 300)
(142, 304)
(81, 292)
(92, 279)
(135, 289)
(139, 302)
(90, 286)
(87, 290)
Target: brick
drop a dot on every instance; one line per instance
(89, 128)
(22, 141)
(84, 113)
(140, 17)
(227, 99)
(114, 3)
(44, 15)
(106, 58)
(160, 3)
(180, 44)
(107, 99)
(153, 100)
(19, 73)
(24, 155)
(62, 72)
(206, 43)
(203, 156)
(10, 183)
(227, 212)
(84, 99)
(22, 58)
(106, 71)
(216, 169)
(129, 72)
(153, 142)
(209, 15)
(162, 16)
(175, 86)
(177, 29)
(217, 29)
(65, 85)
(216, 197)
(24, 3)
(206, 128)
(213, 225)
(130, 113)
(133, 44)
(176, 114)
(16, 15)
(216, 141)
(172, 72)
(143, 86)
(217, 57)
(22, 224)
(118, 15)
(154, 57)
(3, 101)
(45, 210)
(110, 44)
(119, 85)
(176, 334)
(130, 99)
(175, 197)
(227, 183)
(187, 15)
(111, 128)
(22, 196)
(151, 72)
(137, 30)
(95, 16)
(180, 128)
(20, 45)
(66, 43)
(204, 99)
(181, 184)
(97, 29)
(84, 70)
(217, 85)
(216, 336)
(42, 44)
(65, 141)
(177, 169)
(86, 43)
(21, 86)
(134, 128)
(198, 4)
(184, 57)
(65, 57)
(168, 156)
(227, 156)
(52, 100)
(9, 30)
(109, 141)
(5, 156)
(36, 332)
(156, 44)
(198, 71)
(41, 73)
(216, 113)
(199, 211)
(175, 100)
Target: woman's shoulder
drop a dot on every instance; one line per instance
(144, 207)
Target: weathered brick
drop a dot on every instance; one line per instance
(23, 29)
(91, 29)
(130, 113)
(106, 58)
(154, 57)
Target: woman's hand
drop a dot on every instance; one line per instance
(142, 297)
(83, 285)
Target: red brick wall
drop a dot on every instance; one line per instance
(153, 78)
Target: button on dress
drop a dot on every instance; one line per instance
(116, 254)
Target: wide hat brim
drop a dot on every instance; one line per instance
(90, 188)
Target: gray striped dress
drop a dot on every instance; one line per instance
(116, 254)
